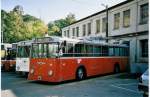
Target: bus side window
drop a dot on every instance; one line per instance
(122, 51)
(79, 50)
(97, 50)
(126, 50)
(104, 50)
(116, 51)
(89, 50)
(111, 51)
(69, 50)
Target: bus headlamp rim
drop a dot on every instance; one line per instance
(50, 73)
(32, 71)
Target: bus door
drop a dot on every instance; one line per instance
(66, 61)
(53, 57)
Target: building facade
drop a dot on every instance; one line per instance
(127, 22)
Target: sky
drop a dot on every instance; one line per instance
(50, 10)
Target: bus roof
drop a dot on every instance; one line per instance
(25, 43)
(80, 40)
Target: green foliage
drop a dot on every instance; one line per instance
(54, 28)
(28, 18)
(70, 18)
(16, 27)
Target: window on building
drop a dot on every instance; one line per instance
(77, 31)
(84, 30)
(64, 33)
(116, 20)
(67, 33)
(104, 24)
(73, 31)
(144, 13)
(89, 28)
(144, 48)
(126, 18)
(98, 26)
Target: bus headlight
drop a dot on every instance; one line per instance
(50, 72)
(32, 71)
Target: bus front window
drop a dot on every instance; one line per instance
(52, 50)
(44, 50)
(23, 51)
(20, 51)
(35, 51)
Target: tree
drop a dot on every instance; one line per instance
(4, 22)
(18, 9)
(17, 27)
(35, 27)
(28, 18)
(54, 27)
(70, 18)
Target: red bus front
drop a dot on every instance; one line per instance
(44, 64)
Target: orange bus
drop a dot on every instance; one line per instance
(55, 59)
(8, 55)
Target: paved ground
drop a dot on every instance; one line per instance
(118, 85)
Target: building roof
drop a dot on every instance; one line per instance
(112, 7)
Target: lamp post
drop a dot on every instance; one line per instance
(106, 9)
(2, 33)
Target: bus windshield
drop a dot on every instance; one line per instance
(44, 50)
(23, 51)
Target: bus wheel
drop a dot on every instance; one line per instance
(80, 74)
(117, 69)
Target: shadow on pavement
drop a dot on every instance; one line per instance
(128, 76)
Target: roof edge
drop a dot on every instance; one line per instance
(112, 7)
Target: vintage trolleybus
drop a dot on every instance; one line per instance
(57, 59)
(23, 54)
(8, 56)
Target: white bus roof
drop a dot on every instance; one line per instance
(76, 40)
(6, 45)
(25, 43)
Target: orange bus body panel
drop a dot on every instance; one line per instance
(8, 64)
(65, 68)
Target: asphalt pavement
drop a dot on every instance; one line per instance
(114, 85)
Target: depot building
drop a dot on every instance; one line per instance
(127, 23)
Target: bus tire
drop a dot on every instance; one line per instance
(117, 68)
(81, 73)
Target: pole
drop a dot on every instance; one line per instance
(106, 23)
(106, 9)
(2, 34)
